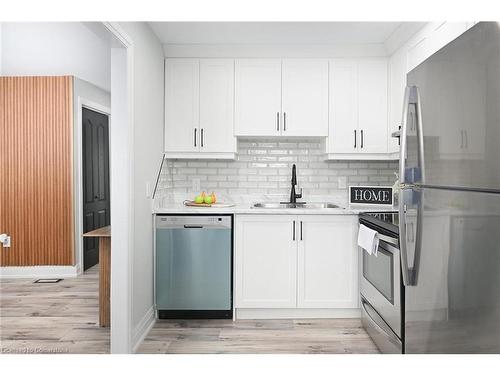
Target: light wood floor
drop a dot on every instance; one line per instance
(258, 337)
(52, 318)
(63, 318)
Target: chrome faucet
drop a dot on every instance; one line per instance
(293, 194)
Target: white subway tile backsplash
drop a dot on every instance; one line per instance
(264, 167)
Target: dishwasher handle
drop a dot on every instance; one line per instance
(187, 226)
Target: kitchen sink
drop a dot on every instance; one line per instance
(302, 205)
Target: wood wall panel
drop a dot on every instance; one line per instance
(36, 170)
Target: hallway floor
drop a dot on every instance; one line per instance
(52, 318)
(326, 336)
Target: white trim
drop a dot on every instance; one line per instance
(142, 329)
(32, 272)
(362, 156)
(121, 334)
(297, 313)
(200, 155)
(83, 102)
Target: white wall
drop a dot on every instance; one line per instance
(147, 154)
(55, 48)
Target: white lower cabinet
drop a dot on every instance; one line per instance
(265, 261)
(327, 272)
(288, 261)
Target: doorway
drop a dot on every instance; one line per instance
(95, 182)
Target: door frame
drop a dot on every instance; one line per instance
(96, 107)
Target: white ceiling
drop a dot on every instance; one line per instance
(277, 32)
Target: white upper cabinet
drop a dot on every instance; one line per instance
(181, 104)
(343, 136)
(217, 105)
(257, 97)
(397, 84)
(305, 97)
(372, 117)
(199, 108)
(281, 97)
(358, 109)
(431, 39)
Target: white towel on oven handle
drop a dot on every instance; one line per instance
(368, 239)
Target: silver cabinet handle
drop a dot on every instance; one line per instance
(355, 138)
(277, 121)
(284, 121)
(461, 139)
(201, 137)
(293, 235)
(195, 137)
(362, 138)
(466, 139)
(301, 230)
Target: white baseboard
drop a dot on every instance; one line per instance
(142, 329)
(33, 272)
(297, 313)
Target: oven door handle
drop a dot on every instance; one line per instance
(389, 240)
(379, 323)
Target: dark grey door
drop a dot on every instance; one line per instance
(95, 158)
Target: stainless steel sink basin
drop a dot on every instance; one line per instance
(278, 205)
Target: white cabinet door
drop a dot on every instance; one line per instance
(265, 261)
(397, 85)
(217, 105)
(372, 94)
(305, 97)
(327, 262)
(181, 105)
(343, 123)
(257, 97)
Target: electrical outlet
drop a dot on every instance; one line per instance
(196, 184)
(5, 240)
(342, 182)
(148, 189)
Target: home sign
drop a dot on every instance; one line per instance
(379, 195)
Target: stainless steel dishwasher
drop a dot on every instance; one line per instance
(193, 266)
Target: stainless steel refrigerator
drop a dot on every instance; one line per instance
(450, 197)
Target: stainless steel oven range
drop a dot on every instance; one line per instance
(381, 285)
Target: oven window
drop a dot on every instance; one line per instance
(378, 270)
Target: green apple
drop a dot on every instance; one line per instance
(199, 199)
(208, 199)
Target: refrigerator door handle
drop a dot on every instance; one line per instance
(402, 137)
(420, 135)
(403, 240)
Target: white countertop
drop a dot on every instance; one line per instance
(245, 209)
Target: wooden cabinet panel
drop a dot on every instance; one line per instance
(36, 163)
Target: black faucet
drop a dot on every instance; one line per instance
(293, 194)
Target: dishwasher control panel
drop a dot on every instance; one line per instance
(194, 221)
